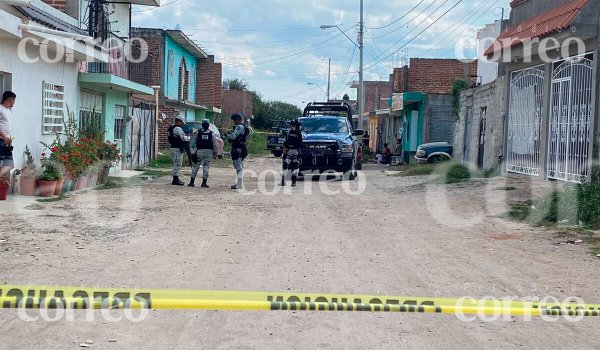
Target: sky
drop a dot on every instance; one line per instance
(277, 46)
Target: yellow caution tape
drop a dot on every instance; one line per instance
(34, 297)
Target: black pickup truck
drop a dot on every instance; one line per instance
(330, 142)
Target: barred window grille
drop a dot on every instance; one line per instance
(90, 111)
(119, 118)
(53, 104)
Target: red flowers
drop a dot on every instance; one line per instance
(54, 149)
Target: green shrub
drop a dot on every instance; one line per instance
(490, 172)
(418, 170)
(574, 205)
(588, 198)
(457, 173)
(162, 160)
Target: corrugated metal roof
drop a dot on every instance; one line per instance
(46, 19)
(552, 21)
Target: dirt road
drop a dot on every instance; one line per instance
(399, 237)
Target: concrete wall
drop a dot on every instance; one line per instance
(439, 122)
(487, 71)
(492, 97)
(27, 79)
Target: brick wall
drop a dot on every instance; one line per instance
(209, 82)
(60, 5)
(149, 72)
(400, 79)
(218, 81)
(164, 124)
(233, 102)
(436, 76)
(376, 95)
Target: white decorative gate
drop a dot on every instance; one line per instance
(571, 108)
(524, 121)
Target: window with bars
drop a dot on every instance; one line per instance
(90, 113)
(119, 126)
(53, 104)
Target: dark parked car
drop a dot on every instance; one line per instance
(434, 152)
(330, 142)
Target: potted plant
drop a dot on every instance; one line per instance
(49, 177)
(28, 173)
(93, 176)
(4, 186)
(56, 160)
(110, 155)
(58, 157)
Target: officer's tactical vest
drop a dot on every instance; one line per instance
(240, 141)
(174, 140)
(204, 139)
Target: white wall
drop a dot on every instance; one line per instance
(488, 71)
(120, 19)
(27, 81)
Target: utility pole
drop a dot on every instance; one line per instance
(329, 80)
(361, 88)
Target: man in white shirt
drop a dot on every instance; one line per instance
(6, 156)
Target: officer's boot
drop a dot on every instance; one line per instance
(294, 179)
(177, 182)
(204, 185)
(192, 182)
(282, 183)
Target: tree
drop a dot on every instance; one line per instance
(285, 111)
(236, 84)
(266, 113)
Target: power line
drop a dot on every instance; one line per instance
(399, 19)
(414, 38)
(315, 46)
(154, 8)
(263, 42)
(415, 28)
(343, 80)
(415, 17)
(458, 25)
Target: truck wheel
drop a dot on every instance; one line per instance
(437, 159)
(277, 154)
(351, 173)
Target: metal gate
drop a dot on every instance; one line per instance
(482, 134)
(139, 139)
(524, 121)
(571, 108)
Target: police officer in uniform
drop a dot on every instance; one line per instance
(291, 153)
(177, 140)
(203, 147)
(239, 152)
